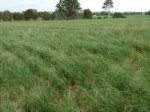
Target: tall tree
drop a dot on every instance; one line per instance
(87, 13)
(6, 16)
(68, 8)
(30, 14)
(108, 4)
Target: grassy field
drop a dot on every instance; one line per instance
(75, 66)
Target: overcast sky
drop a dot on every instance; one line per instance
(94, 5)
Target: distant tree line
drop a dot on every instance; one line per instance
(30, 14)
(133, 13)
(66, 9)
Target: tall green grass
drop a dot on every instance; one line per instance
(75, 66)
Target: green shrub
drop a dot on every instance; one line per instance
(118, 15)
(105, 17)
(99, 17)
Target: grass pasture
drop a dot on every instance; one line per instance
(75, 66)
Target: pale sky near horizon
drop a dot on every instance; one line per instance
(94, 5)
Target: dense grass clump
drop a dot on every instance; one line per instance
(75, 66)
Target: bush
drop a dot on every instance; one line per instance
(118, 15)
(99, 17)
(105, 17)
(87, 13)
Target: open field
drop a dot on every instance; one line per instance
(75, 66)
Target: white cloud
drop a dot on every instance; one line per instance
(94, 5)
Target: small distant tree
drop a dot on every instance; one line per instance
(87, 13)
(68, 8)
(108, 4)
(30, 14)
